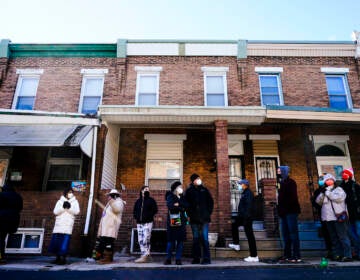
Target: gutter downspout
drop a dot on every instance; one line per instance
(91, 195)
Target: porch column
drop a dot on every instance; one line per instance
(271, 221)
(223, 184)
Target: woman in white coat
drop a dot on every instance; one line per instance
(66, 208)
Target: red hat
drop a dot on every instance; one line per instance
(349, 172)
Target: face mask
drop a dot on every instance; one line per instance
(198, 182)
(321, 183)
(179, 190)
(329, 183)
(240, 188)
(146, 193)
(345, 177)
(70, 195)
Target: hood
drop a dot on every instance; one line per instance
(284, 171)
(167, 194)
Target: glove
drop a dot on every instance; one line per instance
(66, 205)
(323, 190)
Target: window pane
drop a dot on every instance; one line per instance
(65, 152)
(162, 169)
(25, 103)
(147, 99)
(90, 105)
(268, 81)
(215, 100)
(64, 172)
(335, 85)
(270, 100)
(28, 86)
(14, 241)
(93, 87)
(32, 241)
(147, 84)
(338, 102)
(214, 84)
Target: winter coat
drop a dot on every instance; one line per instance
(11, 204)
(352, 200)
(335, 195)
(176, 233)
(65, 218)
(288, 202)
(201, 204)
(111, 218)
(144, 210)
(246, 205)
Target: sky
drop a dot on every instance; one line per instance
(105, 21)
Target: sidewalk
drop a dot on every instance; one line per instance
(43, 263)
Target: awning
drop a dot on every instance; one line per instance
(47, 135)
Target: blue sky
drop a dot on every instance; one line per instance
(105, 21)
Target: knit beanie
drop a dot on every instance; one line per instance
(329, 176)
(349, 172)
(193, 177)
(175, 185)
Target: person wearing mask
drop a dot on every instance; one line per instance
(109, 226)
(245, 218)
(145, 209)
(288, 211)
(324, 230)
(332, 201)
(11, 204)
(66, 208)
(176, 222)
(352, 190)
(200, 208)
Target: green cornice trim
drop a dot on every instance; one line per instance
(62, 50)
(4, 48)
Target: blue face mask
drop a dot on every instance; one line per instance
(321, 183)
(240, 188)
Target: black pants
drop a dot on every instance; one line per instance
(326, 236)
(106, 243)
(2, 243)
(247, 223)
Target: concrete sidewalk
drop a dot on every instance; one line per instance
(43, 263)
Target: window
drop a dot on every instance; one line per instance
(91, 90)
(25, 240)
(270, 85)
(147, 85)
(164, 160)
(64, 165)
(26, 88)
(338, 91)
(215, 86)
(4, 163)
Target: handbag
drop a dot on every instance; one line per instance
(175, 219)
(340, 217)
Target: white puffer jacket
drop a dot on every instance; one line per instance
(337, 197)
(65, 218)
(111, 218)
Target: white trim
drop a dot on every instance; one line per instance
(215, 72)
(23, 232)
(97, 72)
(236, 137)
(30, 71)
(215, 69)
(148, 69)
(264, 137)
(157, 89)
(329, 138)
(333, 70)
(165, 137)
(268, 69)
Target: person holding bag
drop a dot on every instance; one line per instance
(334, 213)
(176, 222)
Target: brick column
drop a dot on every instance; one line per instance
(223, 184)
(271, 223)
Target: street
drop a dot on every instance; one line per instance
(198, 273)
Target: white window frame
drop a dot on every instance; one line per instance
(346, 88)
(2, 181)
(23, 74)
(215, 72)
(24, 232)
(91, 74)
(143, 71)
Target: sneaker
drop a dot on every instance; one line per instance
(143, 259)
(295, 260)
(252, 259)
(283, 259)
(236, 247)
(346, 259)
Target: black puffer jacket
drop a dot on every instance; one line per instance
(246, 206)
(11, 204)
(352, 200)
(145, 209)
(201, 204)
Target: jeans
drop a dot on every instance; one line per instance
(290, 235)
(179, 249)
(341, 245)
(250, 237)
(200, 235)
(354, 237)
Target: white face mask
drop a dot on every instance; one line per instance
(179, 190)
(70, 195)
(198, 182)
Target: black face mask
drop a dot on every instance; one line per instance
(146, 193)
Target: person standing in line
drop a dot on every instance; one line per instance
(245, 218)
(332, 201)
(109, 226)
(200, 208)
(352, 190)
(66, 208)
(11, 204)
(288, 211)
(176, 222)
(145, 209)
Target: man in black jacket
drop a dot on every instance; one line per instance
(11, 204)
(145, 209)
(200, 208)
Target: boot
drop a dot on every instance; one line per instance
(56, 261)
(143, 259)
(62, 260)
(107, 258)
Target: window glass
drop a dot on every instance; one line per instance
(90, 104)
(25, 103)
(215, 91)
(215, 100)
(161, 173)
(337, 92)
(147, 84)
(92, 93)
(270, 92)
(147, 99)
(27, 93)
